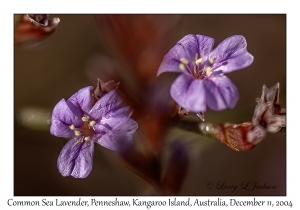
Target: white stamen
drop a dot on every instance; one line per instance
(77, 133)
(184, 60)
(208, 70)
(92, 123)
(182, 67)
(87, 138)
(198, 61)
(212, 60)
(72, 127)
(85, 118)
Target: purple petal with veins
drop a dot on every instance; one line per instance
(76, 159)
(117, 133)
(189, 93)
(202, 82)
(221, 93)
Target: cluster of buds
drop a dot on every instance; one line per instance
(268, 117)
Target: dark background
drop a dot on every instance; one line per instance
(57, 68)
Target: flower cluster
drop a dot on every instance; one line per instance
(268, 115)
(103, 117)
(106, 122)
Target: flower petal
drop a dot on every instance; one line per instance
(205, 45)
(256, 134)
(120, 111)
(60, 129)
(262, 112)
(169, 64)
(231, 55)
(83, 99)
(221, 93)
(117, 133)
(111, 104)
(189, 93)
(76, 159)
(84, 162)
(187, 47)
(272, 94)
(275, 123)
(67, 113)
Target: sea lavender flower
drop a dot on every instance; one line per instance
(202, 82)
(106, 122)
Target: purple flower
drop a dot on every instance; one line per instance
(202, 82)
(107, 123)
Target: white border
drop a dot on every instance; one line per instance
(153, 6)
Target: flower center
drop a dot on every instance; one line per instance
(200, 68)
(85, 132)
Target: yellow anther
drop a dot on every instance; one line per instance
(184, 60)
(92, 123)
(212, 60)
(182, 67)
(85, 118)
(87, 138)
(208, 70)
(77, 133)
(198, 61)
(72, 127)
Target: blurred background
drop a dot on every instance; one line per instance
(77, 53)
